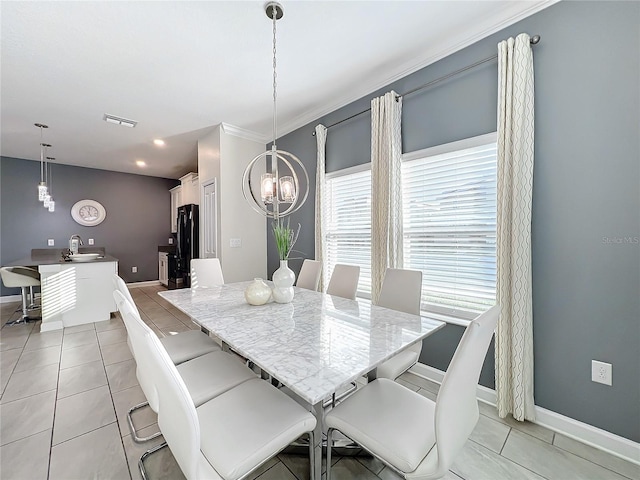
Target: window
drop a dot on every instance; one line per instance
(347, 209)
(449, 220)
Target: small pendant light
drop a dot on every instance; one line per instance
(42, 186)
(52, 203)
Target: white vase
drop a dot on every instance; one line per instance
(257, 293)
(283, 279)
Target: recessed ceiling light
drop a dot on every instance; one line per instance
(119, 120)
(159, 142)
(141, 163)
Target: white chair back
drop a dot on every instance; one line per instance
(309, 276)
(206, 272)
(401, 290)
(177, 416)
(136, 330)
(122, 288)
(457, 405)
(344, 281)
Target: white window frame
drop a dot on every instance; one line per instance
(336, 174)
(451, 315)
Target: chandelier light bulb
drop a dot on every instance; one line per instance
(287, 189)
(266, 187)
(42, 191)
(52, 205)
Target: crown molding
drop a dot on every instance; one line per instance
(243, 133)
(507, 17)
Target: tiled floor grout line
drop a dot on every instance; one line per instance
(113, 404)
(293, 474)
(513, 461)
(55, 405)
(591, 461)
(505, 441)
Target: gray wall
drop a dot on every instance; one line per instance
(138, 214)
(586, 189)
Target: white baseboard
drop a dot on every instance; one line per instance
(150, 283)
(16, 298)
(569, 427)
(10, 298)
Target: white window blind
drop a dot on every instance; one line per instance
(449, 220)
(347, 208)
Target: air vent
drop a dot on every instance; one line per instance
(119, 120)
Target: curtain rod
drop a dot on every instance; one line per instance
(534, 40)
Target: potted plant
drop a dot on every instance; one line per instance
(283, 278)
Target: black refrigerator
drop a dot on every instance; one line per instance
(187, 246)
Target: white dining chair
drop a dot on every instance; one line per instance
(415, 436)
(309, 276)
(344, 281)
(181, 347)
(206, 272)
(230, 435)
(401, 290)
(205, 377)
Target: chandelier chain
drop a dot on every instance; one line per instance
(275, 125)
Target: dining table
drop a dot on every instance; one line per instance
(315, 345)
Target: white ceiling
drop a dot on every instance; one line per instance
(180, 68)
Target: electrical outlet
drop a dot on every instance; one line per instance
(171, 241)
(91, 241)
(50, 242)
(134, 269)
(235, 242)
(601, 372)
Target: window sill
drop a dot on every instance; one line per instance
(447, 318)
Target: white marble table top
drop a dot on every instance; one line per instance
(314, 345)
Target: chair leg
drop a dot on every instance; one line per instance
(32, 299)
(143, 471)
(133, 428)
(332, 401)
(329, 446)
(312, 456)
(25, 303)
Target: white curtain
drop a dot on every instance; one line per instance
(321, 141)
(386, 189)
(514, 334)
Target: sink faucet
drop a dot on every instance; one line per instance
(74, 243)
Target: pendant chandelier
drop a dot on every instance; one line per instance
(49, 202)
(279, 195)
(45, 184)
(42, 186)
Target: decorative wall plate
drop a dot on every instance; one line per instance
(88, 213)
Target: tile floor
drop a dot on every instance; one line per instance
(64, 397)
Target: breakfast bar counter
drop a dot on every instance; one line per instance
(73, 292)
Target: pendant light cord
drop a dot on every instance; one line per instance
(41, 157)
(50, 174)
(46, 167)
(275, 125)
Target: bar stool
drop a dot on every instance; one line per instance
(23, 277)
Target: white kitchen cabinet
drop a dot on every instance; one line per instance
(190, 189)
(186, 193)
(76, 293)
(163, 268)
(176, 201)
